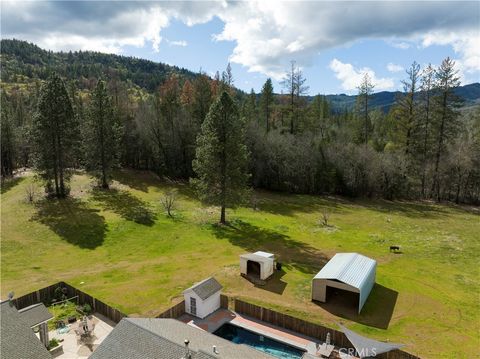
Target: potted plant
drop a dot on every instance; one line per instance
(54, 346)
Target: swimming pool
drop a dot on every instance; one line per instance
(270, 346)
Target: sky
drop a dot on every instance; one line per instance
(334, 43)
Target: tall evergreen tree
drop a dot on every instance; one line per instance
(267, 102)
(202, 97)
(365, 90)
(55, 136)
(102, 135)
(249, 109)
(294, 83)
(427, 85)
(446, 114)
(221, 159)
(7, 138)
(407, 108)
(320, 117)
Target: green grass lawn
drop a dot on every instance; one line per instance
(120, 247)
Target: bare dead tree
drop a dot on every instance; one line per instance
(30, 193)
(325, 218)
(168, 201)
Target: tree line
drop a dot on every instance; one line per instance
(425, 147)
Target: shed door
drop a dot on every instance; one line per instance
(193, 306)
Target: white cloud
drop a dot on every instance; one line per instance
(351, 77)
(394, 67)
(266, 34)
(181, 43)
(466, 46)
(400, 45)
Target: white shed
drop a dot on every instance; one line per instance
(203, 297)
(351, 272)
(259, 264)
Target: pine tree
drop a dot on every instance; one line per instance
(427, 84)
(202, 97)
(266, 102)
(445, 119)
(221, 159)
(249, 108)
(320, 116)
(365, 89)
(407, 108)
(294, 83)
(55, 136)
(7, 138)
(102, 135)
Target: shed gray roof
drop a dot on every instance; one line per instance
(35, 314)
(151, 338)
(366, 347)
(349, 268)
(205, 288)
(17, 338)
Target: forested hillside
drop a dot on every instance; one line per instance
(421, 143)
(22, 61)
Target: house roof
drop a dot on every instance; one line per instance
(35, 314)
(350, 268)
(366, 347)
(205, 288)
(151, 338)
(18, 340)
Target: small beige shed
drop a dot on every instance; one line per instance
(257, 265)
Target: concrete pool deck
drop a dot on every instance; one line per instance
(215, 320)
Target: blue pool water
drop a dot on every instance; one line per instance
(270, 346)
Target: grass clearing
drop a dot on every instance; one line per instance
(130, 254)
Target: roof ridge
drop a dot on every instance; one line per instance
(152, 332)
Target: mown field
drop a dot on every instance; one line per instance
(122, 248)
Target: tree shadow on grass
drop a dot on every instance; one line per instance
(137, 179)
(285, 204)
(274, 284)
(290, 252)
(73, 221)
(377, 311)
(125, 205)
(409, 209)
(9, 183)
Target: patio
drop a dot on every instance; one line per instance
(73, 347)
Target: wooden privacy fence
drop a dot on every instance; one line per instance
(223, 301)
(306, 328)
(45, 295)
(174, 312)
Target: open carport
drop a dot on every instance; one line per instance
(351, 274)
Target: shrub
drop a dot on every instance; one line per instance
(87, 309)
(53, 343)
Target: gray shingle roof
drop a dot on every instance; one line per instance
(205, 288)
(130, 341)
(35, 314)
(151, 338)
(17, 338)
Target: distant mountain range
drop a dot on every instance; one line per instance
(385, 99)
(22, 61)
